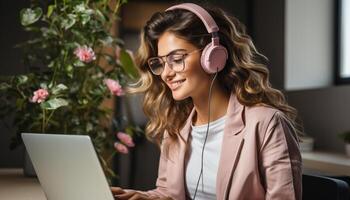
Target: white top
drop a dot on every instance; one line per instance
(207, 185)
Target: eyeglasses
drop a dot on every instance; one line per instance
(176, 62)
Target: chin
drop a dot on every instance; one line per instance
(179, 97)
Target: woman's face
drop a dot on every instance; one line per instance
(193, 81)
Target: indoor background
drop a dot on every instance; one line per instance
(299, 37)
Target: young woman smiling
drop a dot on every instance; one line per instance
(224, 132)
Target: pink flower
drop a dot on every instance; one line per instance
(40, 95)
(126, 139)
(114, 87)
(85, 54)
(121, 148)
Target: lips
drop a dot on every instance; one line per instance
(173, 85)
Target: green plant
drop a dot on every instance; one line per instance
(345, 136)
(72, 67)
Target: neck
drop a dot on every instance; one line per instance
(218, 106)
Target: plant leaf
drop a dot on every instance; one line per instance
(128, 64)
(69, 70)
(68, 22)
(100, 16)
(80, 8)
(43, 85)
(79, 63)
(22, 79)
(53, 104)
(108, 40)
(85, 18)
(4, 86)
(89, 127)
(30, 16)
(59, 88)
(50, 10)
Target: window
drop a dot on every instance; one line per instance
(343, 42)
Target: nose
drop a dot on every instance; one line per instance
(167, 72)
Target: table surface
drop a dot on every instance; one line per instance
(326, 163)
(15, 186)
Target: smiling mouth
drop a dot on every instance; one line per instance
(176, 84)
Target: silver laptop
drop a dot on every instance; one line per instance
(67, 167)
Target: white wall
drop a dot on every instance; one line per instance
(309, 44)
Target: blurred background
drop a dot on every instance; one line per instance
(302, 39)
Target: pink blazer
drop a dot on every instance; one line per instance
(259, 159)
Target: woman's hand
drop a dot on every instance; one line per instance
(117, 191)
(121, 194)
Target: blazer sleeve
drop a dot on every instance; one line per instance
(280, 157)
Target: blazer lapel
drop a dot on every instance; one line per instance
(231, 146)
(184, 132)
(176, 170)
(230, 150)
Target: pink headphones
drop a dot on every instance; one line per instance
(214, 55)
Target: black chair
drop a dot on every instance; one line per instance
(343, 178)
(321, 187)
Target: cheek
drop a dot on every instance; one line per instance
(194, 71)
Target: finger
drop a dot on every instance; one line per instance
(117, 190)
(138, 196)
(125, 195)
(163, 198)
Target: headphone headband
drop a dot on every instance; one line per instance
(207, 20)
(214, 55)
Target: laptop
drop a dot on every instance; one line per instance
(67, 167)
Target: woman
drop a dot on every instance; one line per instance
(194, 72)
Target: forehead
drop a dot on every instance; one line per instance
(169, 42)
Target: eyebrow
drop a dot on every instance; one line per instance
(173, 51)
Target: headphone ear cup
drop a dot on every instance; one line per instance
(213, 58)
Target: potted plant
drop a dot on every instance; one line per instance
(73, 62)
(346, 138)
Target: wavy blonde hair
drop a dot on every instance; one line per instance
(244, 73)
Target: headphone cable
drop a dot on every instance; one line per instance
(205, 140)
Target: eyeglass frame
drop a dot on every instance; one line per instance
(170, 64)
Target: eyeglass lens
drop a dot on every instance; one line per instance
(174, 61)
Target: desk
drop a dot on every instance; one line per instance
(15, 186)
(326, 163)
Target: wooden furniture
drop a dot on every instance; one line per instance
(15, 186)
(326, 163)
